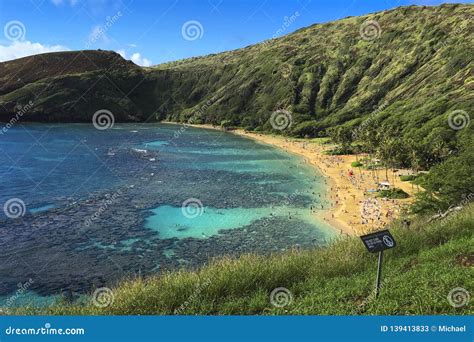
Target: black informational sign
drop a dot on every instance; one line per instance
(378, 241)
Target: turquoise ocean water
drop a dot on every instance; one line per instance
(84, 208)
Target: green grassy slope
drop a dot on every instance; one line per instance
(327, 74)
(429, 261)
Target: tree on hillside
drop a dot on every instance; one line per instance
(449, 183)
(226, 124)
(391, 151)
(370, 140)
(342, 136)
(384, 152)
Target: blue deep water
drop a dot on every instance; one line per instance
(82, 208)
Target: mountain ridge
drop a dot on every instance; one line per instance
(325, 75)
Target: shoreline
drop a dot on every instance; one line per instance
(353, 211)
(329, 215)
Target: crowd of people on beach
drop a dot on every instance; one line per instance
(352, 193)
(356, 186)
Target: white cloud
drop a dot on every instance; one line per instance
(136, 58)
(98, 33)
(122, 53)
(19, 49)
(60, 2)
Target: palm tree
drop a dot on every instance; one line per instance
(384, 152)
(414, 158)
(370, 141)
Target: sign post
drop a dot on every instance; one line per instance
(379, 274)
(376, 243)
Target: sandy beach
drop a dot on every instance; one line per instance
(355, 210)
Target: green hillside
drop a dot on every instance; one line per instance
(66, 86)
(429, 261)
(416, 70)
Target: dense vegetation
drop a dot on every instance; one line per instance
(429, 261)
(449, 157)
(410, 77)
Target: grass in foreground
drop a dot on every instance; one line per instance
(429, 261)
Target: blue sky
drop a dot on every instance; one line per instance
(152, 32)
